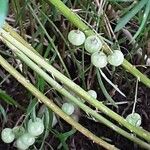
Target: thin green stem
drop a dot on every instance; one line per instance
(50, 39)
(135, 97)
(52, 105)
(104, 89)
(5, 36)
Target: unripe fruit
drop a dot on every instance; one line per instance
(18, 131)
(116, 58)
(35, 128)
(92, 44)
(7, 135)
(27, 139)
(99, 59)
(134, 119)
(93, 93)
(76, 37)
(68, 108)
(54, 122)
(20, 145)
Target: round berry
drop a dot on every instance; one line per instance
(54, 122)
(27, 139)
(20, 145)
(35, 128)
(7, 135)
(93, 93)
(92, 44)
(18, 131)
(99, 59)
(134, 119)
(116, 58)
(76, 37)
(68, 108)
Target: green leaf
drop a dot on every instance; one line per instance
(145, 16)
(48, 118)
(106, 94)
(5, 97)
(125, 19)
(3, 11)
(3, 112)
(63, 138)
(31, 106)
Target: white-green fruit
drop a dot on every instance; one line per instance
(20, 145)
(27, 139)
(134, 119)
(76, 37)
(54, 122)
(92, 44)
(68, 108)
(116, 58)
(7, 135)
(93, 93)
(18, 131)
(35, 128)
(99, 59)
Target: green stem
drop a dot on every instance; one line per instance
(6, 36)
(76, 20)
(65, 93)
(52, 105)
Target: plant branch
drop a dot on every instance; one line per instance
(70, 97)
(52, 105)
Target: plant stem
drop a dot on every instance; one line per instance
(65, 93)
(6, 36)
(52, 105)
(135, 97)
(76, 20)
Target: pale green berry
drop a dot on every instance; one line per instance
(7, 135)
(35, 128)
(99, 59)
(18, 131)
(27, 139)
(92, 44)
(54, 122)
(20, 145)
(92, 93)
(134, 119)
(116, 58)
(76, 37)
(68, 108)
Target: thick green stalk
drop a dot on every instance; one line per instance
(65, 93)
(76, 20)
(52, 105)
(6, 36)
